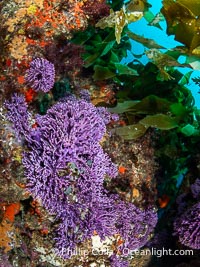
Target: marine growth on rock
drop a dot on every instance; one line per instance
(65, 167)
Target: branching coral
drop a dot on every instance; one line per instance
(65, 167)
(117, 262)
(136, 225)
(187, 227)
(19, 115)
(41, 75)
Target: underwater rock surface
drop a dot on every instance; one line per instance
(99, 159)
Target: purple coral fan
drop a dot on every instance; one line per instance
(40, 75)
(18, 114)
(195, 188)
(65, 167)
(187, 227)
(135, 225)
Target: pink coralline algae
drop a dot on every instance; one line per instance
(65, 167)
(41, 74)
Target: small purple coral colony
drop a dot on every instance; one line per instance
(65, 167)
(187, 227)
(41, 74)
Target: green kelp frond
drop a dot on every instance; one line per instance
(118, 20)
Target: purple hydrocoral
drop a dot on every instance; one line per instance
(41, 74)
(187, 227)
(85, 95)
(65, 158)
(18, 114)
(135, 225)
(117, 262)
(107, 216)
(68, 154)
(65, 168)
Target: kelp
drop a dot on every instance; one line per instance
(134, 131)
(118, 20)
(145, 84)
(109, 42)
(173, 115)
(103, 47)
(103, 55)
(131, 132)
(154, 21)
(174, 110)
(183, 21)
(148, 105)
(143, 6)
(163, 62)
(159, 121)
(149, 43)
(156, 99)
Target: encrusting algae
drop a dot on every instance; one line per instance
(7, 228)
